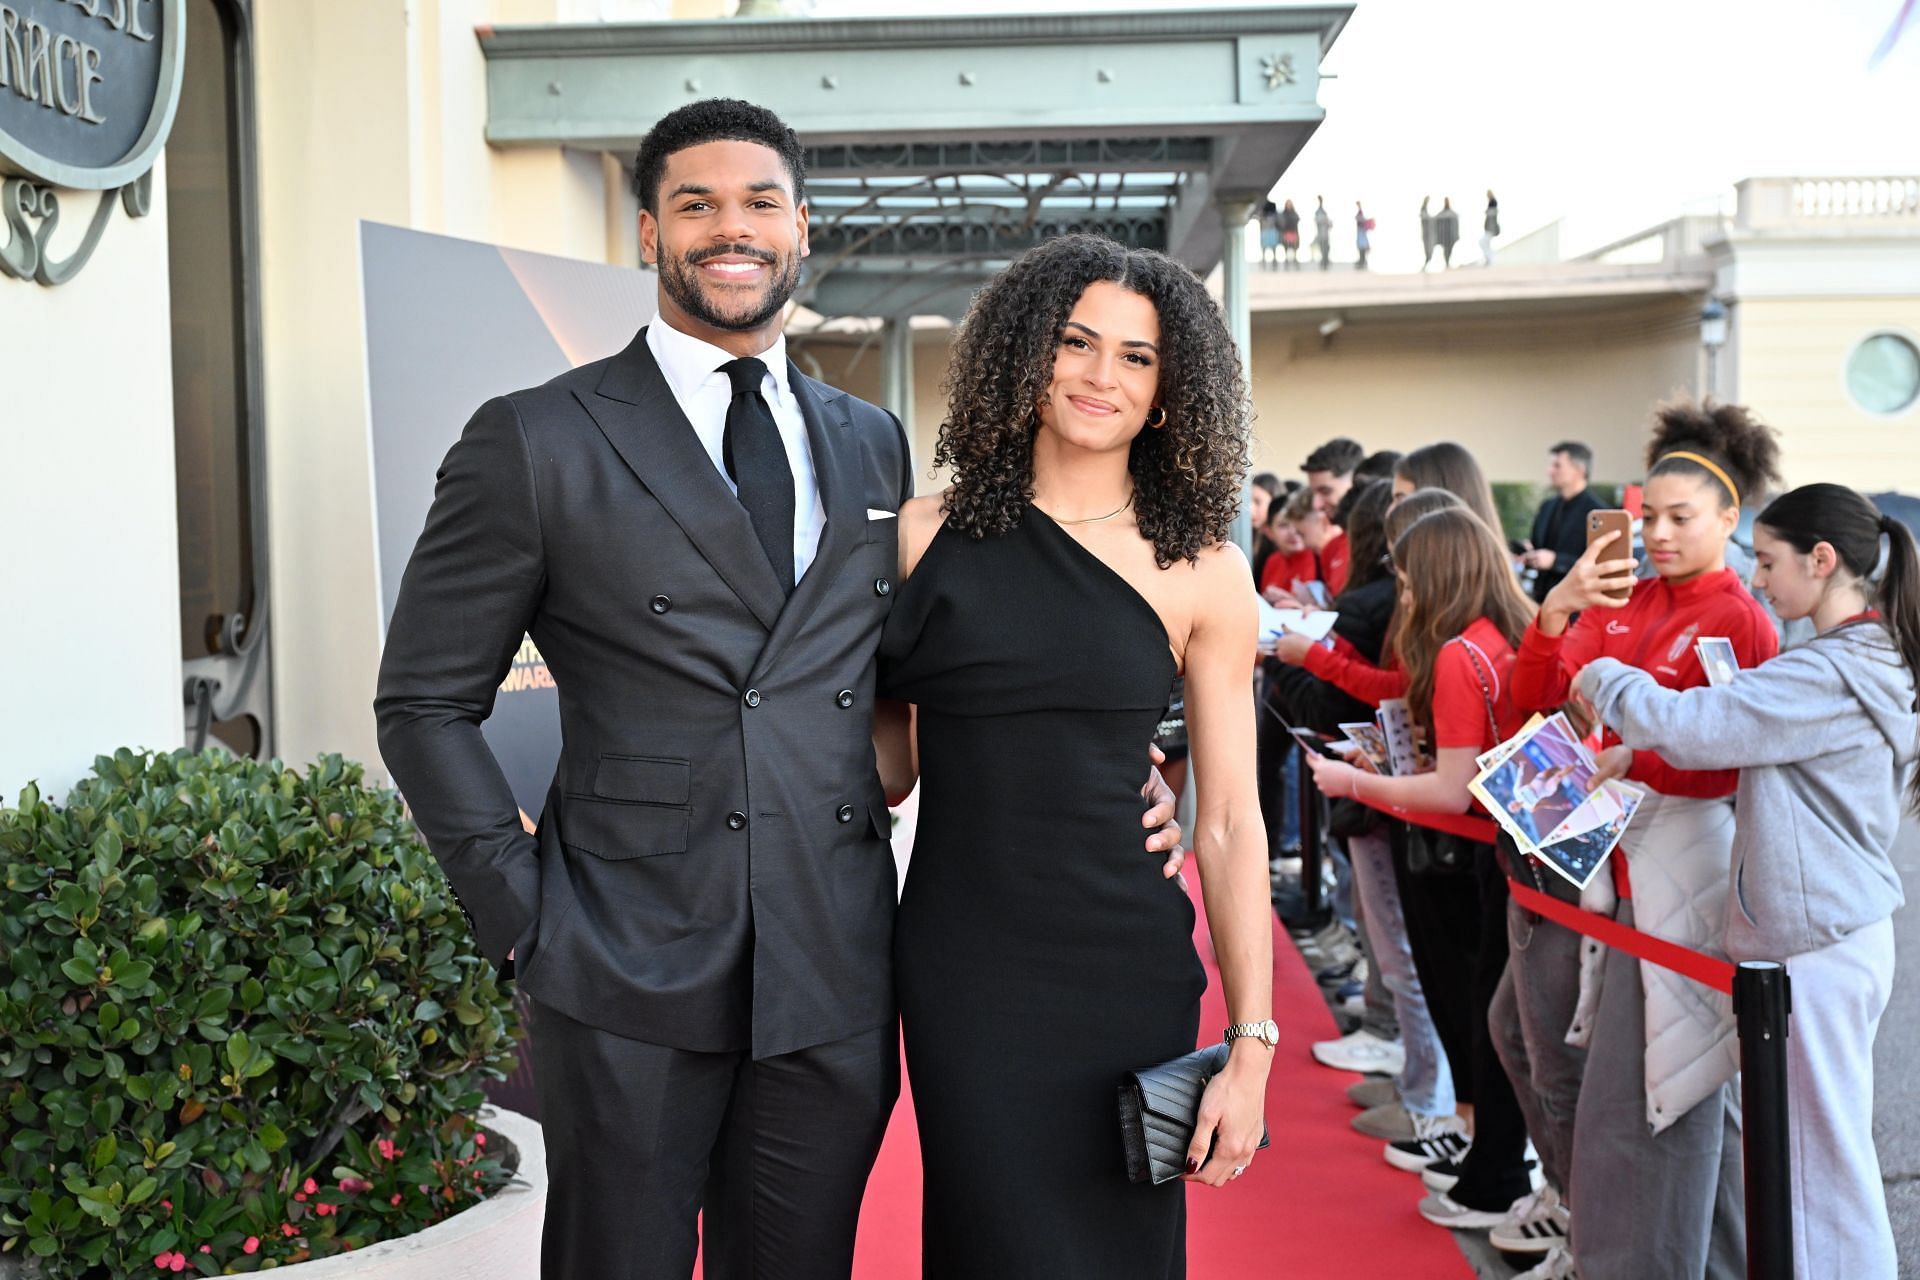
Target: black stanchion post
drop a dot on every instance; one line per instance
(1310, 841)
(1762, 1003)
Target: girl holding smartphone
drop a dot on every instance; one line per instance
(1824, 740)
(1647, 1136)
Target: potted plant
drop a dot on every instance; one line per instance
(242, 1023)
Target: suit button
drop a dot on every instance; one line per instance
(846, 813)
(736, 820)
(881, 586)
(752, 698)
(661, 604)
(844, 697)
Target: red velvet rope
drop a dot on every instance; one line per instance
(1705, 970)
(1469, 825)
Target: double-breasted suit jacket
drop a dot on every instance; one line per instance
(712, 869)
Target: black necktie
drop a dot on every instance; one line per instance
(757, 460)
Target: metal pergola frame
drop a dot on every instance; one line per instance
(940, 147)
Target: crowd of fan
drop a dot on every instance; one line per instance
(1579, 1105)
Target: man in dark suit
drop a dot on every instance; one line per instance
(702, 542)
(1560, 526)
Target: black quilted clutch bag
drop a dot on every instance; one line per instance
(1158, 1109)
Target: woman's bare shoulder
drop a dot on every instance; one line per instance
(1223, 566)
(1221, 591)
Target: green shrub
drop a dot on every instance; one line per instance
(1517, 501)
(242, 1022)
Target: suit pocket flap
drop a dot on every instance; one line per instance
(620, 831)
(643, 779)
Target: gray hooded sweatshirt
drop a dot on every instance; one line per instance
(1824, 737)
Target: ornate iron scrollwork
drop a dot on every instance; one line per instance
(32, 213)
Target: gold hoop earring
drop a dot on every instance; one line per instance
(1153, 423)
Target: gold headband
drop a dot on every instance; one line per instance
(1710, 465)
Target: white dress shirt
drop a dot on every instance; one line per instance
(692, 370)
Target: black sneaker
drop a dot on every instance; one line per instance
(1435, 1138)
(1441, 1175)
(1336, 973)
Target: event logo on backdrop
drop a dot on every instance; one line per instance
(451, 324)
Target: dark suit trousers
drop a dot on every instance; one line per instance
(641, 1138)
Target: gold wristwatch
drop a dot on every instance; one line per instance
(1267, 1033)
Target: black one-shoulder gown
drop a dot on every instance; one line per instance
(1039, 953)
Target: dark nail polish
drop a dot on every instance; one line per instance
(1193, 1166)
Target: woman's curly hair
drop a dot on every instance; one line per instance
(1187, 475)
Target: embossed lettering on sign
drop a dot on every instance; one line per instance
(87, 95)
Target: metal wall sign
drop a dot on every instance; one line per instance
(88, 90)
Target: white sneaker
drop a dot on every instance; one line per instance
(1363, 1052)
(1557, 1265)
(1535, 1224)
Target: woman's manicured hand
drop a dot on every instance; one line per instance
(1232, 1117)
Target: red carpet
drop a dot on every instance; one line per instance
(1319, 1203)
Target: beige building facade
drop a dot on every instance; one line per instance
(1510, 360)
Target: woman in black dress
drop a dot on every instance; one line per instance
(1096, 437)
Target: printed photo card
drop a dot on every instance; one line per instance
(1539, 786)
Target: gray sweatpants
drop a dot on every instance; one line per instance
(1839, 1202)
(1531, 1012)
(1665, 1206)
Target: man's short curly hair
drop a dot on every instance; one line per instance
(1187, 474)
(713, 120)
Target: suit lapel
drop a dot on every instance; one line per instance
(636, 411)
(836, 466)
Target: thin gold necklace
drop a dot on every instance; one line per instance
(1091, 519)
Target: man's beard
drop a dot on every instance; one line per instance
(680, 277)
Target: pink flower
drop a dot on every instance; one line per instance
(310, 1186)
(252, 1245)
(323, 1210)
(167, 1205)
(387, 1150)
(206, 1248)
(288, 1229)
(396, 1198)
(300, 1195)
(480, 1139)
(174, 1261)
(354, 1186)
